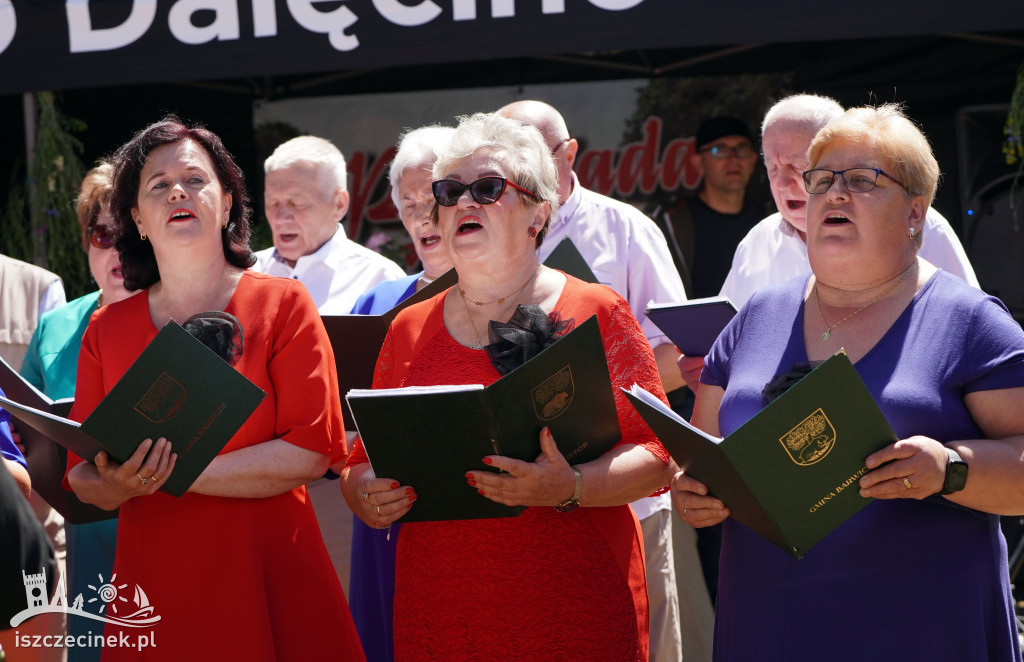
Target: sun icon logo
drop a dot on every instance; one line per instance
(108, 593)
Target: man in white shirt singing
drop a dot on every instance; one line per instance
(306, 197)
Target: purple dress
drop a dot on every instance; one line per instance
(371, 591)
(903, 579)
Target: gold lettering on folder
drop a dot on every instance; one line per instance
(811, 440)
(554, 395)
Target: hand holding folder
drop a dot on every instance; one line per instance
(178, 389)
(790, 473)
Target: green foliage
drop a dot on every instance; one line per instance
(683, 103)
(1013, 146)
(39, 219)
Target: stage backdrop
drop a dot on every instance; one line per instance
(48, 44)
(634, 146)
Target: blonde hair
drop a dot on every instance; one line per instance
(93, 197)
(518, 146)
(889, 133)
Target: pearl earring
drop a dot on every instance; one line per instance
(912, 232)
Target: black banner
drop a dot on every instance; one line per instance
(48, 44)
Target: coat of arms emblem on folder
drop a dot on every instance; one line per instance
(553, 395)
(811, 440)
(163, 400)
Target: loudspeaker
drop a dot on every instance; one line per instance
(993, 227)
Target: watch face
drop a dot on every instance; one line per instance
(956, 476)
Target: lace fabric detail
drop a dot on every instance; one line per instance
(540, 586)
(629, 362)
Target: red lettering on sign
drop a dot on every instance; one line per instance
(363, 186)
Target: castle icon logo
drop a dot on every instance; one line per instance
(108, 605)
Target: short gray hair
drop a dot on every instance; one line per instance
(418, 148)
(811, 110)
(519, 147)
(319, 152)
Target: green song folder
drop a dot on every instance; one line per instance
(568, 259)
(790, 473)
(47, 461)
(357, 339)
(178, 389)
(429, 437)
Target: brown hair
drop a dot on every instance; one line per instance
(93, 197)
(138, 263)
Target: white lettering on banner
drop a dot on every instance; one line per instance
(226, 25)
(405, 15)
(615, 5)
(223, 27)
(332, 23)
(8, 24)
(463, 10)
(503, 8)
(264, 18)
(83, 37)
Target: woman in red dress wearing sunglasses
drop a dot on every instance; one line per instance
(564, 579)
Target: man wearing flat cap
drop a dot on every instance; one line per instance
(704, 229)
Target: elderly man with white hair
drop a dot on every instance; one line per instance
(775, 250)
(306, 196)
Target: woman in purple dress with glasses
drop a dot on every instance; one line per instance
(921, 572)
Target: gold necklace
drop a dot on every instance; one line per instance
(502, 299)
(828, 327)
(469, 313)
(477, 344)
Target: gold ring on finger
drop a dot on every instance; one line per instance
(145, 481)
(378, 511)
(906, 482)
(366, 495)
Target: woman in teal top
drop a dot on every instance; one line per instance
(51, 365)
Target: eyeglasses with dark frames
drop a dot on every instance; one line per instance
(724, 151)
(486, 190)
(856, 180)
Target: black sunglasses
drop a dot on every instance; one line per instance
(101, 237)
(486, 190)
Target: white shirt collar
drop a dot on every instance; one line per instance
(569, 207)
(331, 254)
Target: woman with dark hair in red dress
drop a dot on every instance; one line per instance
(236, 568)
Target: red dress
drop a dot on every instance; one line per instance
(541, 586)
(232, 578)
